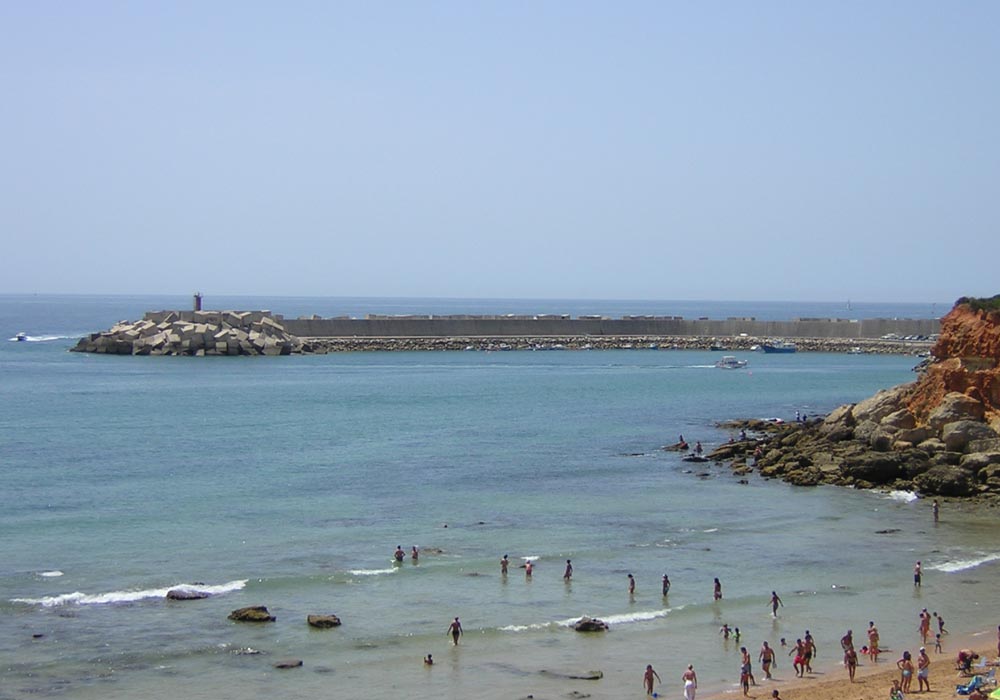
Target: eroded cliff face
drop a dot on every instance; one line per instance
(967, 361)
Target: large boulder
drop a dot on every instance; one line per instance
(253, 613)
(956, 435)
(946, 480)
(590, 624)
(874, 467)
(839, 420)
(955, 407)
(323, 621)
(880, 405)
(976, 461)
(901, 420)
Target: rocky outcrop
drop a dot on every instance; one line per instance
(939, 435)
(323, 621)
(195, 333)
(590, 624)
(186, 594)
(254, 613)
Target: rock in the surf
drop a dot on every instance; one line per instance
(253, 613)
(323, 621)
(590, 624)
(289, 663)
(186, 594)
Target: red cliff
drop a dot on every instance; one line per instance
(967, 361)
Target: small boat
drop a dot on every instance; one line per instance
(21, 337)
(778, 347)
(730, 362)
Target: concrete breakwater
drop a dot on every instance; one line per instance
(264, 333)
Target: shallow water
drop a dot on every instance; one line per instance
(288, 482)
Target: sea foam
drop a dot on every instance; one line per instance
(950, 567)
(113, 597)
(372, 572)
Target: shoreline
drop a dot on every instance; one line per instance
(872, 681)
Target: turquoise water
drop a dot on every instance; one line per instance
(288, 482)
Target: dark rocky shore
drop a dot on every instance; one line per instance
(938, 436)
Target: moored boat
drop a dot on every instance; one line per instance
(779, 347)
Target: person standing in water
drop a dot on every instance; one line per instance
(399, 553)
(775, 602)
(936, 509)
(455, 630)
(647, 679)
(528, 569)
(414, 554)
(569, 571)
(503, 565)
(690, 679)
(631, 585)
(917, 574)
(666, 585)
(718, 590)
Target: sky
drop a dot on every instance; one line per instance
(638, 150)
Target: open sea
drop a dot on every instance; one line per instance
(289, 481)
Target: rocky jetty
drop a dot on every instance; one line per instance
(939, 435)
(195, 333)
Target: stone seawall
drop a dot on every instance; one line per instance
(568, 327)
(264, 333)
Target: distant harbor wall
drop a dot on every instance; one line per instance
(482, 327)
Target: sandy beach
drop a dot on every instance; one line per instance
(871, 681)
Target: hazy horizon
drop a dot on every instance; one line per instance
(649, 151)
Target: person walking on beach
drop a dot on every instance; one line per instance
(923, 671)
(798, 663)
(775, 602)
(937, 643)
(666, 585)
(809, 645)
(569, 571)
(647, 679)
(503, 565)
(745, 660)
(851, 661)
(690, 679)
(905, 666)
(940, 623)
(766, 658)
(455, 630)
(631, 585)
(745, 670)
(718, 590)
(917, 573)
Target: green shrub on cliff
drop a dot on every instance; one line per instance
(991, 304)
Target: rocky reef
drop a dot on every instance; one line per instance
(939, 435)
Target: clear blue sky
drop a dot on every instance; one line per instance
(636, 150)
